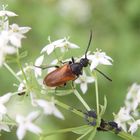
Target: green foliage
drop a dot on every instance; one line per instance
(116, 26)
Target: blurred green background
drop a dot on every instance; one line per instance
(116, 27)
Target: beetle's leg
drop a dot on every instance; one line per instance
(62, 62)
(47, 67)
(103, 74)
(70, 62)
(72, 59)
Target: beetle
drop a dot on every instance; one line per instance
(69, 71)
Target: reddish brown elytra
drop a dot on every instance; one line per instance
(68, 72)
(59, 76)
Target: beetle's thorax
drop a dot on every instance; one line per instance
(78, 67)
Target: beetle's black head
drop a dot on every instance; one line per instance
(84, 62)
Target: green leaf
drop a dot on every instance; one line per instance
(103, 107)
(23, 54)
(127, 136)
(92, 135)
(86, 133)
(63, 93)
(81, 129)
(60, 92)
(78, 130)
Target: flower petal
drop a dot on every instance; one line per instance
(34, 128)
(90, 79)
(47, 106)
(83, 87)
(104, 61)
(33, 115)
(48, 48)
(7, 13)
(94, 64)
(3, 109)
(10, 50)
(58, 114)
(5, 98)
(24, 30)
(73, 46)
(39, 60)
(133, 127)
(21, 131)
(19, 119)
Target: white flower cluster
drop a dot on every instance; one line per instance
(10, 41)
(3, 111)
(25, 123)
(128, 116)
(10, 35)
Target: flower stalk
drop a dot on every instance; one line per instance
(12, 72)
(81, 100)
(97, 94)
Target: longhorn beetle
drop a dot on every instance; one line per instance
(69, 71)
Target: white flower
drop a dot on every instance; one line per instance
(7, 13)
(16, 34)
(133, 91)
(26, 123)
(22, 87)
(134, 126)
(79, 10)
(49, 108)
(3, 100)
(4, 47)
(38, 62)
(123, 117)
(4, 127)
(83, 80)
(133, 97)
(99, 58)
(22, 30)
(53, 63)
(64, 44)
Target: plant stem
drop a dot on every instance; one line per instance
(97, 95)
(20, 66)
(69, 108)
(86, 133)
(81, 99)
(12, 72)
(126, 136)
(73, 129)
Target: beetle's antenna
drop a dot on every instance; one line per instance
(90, 38)
(103, 75)
(46, 67)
